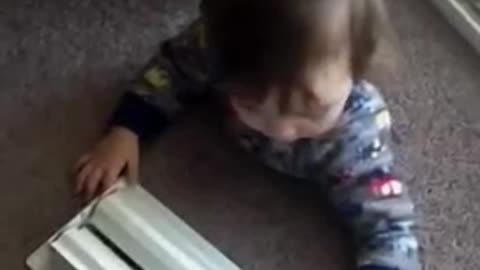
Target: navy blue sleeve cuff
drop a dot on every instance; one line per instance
(142, 118)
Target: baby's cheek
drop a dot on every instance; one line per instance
(331, 84)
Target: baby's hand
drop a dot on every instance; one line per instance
(99, 169)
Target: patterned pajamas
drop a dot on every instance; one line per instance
(353, 163)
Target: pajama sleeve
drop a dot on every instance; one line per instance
(365, 192)
(173, 79)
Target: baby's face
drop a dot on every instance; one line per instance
(303, 110)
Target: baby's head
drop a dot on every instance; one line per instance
(295, 43)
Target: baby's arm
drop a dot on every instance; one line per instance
(364, 191)
(172, 79)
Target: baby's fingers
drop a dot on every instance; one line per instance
(92, 183)
(110, 178)
(82, 178)
(132, 171)
(81, 162)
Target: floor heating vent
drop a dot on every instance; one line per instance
(127, 230)
(464, 15)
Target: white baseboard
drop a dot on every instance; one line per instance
(461, 19)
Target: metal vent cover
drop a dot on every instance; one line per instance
(128, 229)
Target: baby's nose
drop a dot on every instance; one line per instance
(286, 132)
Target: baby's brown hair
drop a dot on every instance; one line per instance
(262, 41)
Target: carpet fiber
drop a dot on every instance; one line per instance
(63, 64)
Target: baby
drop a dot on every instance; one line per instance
(290, 75)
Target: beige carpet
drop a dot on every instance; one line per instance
(62, 66)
